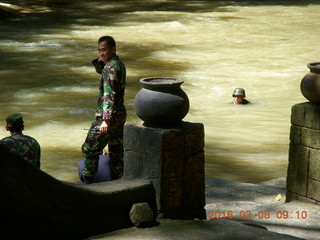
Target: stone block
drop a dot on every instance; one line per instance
(132, 164)
(151, 165)
(133, 136)
(146, 145)
(298, 114)
(194, 138)
(173, 152)
(295, 134)
(310, 138)
(157, 186)
(139, 138)
(314, 164)
(314, 189)
(303, 178)
(171, 195)
(161, 151)
(173, 158)
(193, 182)
(151, 142)
(312, 116)
(298, 169)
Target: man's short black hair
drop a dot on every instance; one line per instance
(111, 42)
(15, 122)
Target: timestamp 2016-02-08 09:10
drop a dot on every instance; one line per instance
(258, 214)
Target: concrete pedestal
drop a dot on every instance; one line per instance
(173, 158)
(303, 179)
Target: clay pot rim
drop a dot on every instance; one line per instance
(147, 81)
(314, 67)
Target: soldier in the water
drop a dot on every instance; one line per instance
(25, 146)
(110, 114)
(239, 95)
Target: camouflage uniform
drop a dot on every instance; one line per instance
(26, 146)
(245, 102)
(111, 109)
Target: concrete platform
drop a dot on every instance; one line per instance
(226, 196)
(221, 229)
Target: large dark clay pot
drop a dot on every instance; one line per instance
(161, 101)
(310, 83)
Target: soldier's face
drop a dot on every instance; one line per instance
(106, 52)
(238, 99)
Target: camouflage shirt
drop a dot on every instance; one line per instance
(112, 87)
(26, 146)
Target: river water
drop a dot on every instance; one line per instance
(214, 46)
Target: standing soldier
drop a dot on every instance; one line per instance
(27, 147)
(110, 114)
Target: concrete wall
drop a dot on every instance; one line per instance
(303, 179)
(34, 205)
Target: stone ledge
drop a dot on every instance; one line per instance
(59, 210)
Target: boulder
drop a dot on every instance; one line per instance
(141, 215)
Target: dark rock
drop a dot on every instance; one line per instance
(141, 215)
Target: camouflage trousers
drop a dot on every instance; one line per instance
(95, 143)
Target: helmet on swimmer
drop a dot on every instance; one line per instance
(239, 92)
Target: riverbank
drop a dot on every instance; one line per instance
(255, 211)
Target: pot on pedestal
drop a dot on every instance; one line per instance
(310, 83)
(161, 101)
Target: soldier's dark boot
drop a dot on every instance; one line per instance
(86, 179)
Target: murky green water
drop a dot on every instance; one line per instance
(214, 46)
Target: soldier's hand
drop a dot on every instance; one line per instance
(104, 127)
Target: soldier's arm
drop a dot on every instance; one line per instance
(111, 83)
(98, 65)
(36, 152)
